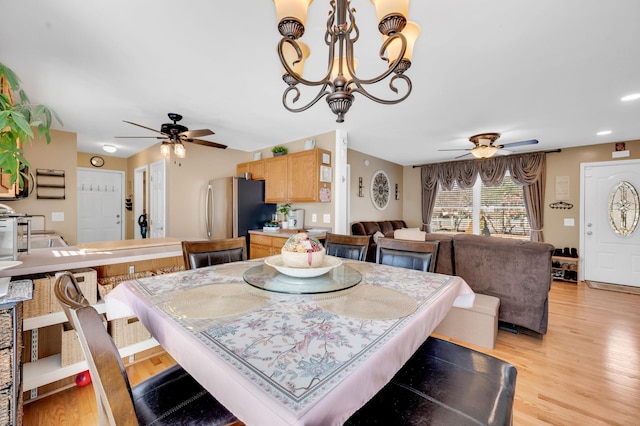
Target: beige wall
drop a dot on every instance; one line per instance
(567, 163)
(60, 154)
(186, 185)
(362, 208)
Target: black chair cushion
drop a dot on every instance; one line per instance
(216, 257)
(444, 384)
(346, 251)
(173, 397)
(405, 259)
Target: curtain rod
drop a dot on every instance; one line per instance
(546, 152)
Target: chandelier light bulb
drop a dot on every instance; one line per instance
(165, 149)
(179, 150)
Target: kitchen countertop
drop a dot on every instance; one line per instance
(286, 233)
(71, 257)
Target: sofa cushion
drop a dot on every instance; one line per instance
(371, 228)
(386, 226)
(413, 234)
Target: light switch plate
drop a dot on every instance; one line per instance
(568, 221)
(57, 216)
(326, 218)
(314, 217)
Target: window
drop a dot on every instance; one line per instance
(482, 210)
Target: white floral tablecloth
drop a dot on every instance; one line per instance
(287, 360)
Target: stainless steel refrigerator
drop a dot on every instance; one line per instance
(234, 206)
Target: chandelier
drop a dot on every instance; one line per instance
(340, 82)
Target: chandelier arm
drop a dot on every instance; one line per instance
(328, 36)
(321, 94)
(353, 27)
(363, 91)
(390, 70)
(290, 71)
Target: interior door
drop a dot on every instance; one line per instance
(607, 255)
(100, 205)
(157, 202)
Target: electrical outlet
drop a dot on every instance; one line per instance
(132, 269)
(314, 217)
(326, 218)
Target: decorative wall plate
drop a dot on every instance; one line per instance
(380, 190)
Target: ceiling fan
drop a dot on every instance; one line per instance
(484, 147)
(175, 134)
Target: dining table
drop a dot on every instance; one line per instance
(278, 347)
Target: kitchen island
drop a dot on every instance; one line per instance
(43, 369)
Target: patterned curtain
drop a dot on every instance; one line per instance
(527, 170)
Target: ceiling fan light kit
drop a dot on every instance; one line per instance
(484, 145)
(340, 82)
(173, 136)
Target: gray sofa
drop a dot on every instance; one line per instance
(517, 272)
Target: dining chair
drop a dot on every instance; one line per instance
(198, 254)
(419, 255)
(167, 398)
(347, 246)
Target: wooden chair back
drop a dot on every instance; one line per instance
(108, 374)
(347, 246)
(198, 254)
(419, 255)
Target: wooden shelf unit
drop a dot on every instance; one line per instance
(564, 268)
(50, 184)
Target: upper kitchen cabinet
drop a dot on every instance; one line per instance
(301, 177)
(256, 168)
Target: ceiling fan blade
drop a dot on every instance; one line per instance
(529, 142)
(140, 137)
(206, 143)
(503, 152)
(144, 127)
(190, 134)
(459, 149)
(463, 155)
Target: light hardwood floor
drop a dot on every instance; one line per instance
(584, 371)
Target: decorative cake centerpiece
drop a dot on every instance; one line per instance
(303, 251)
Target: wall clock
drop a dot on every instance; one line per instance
(380, 190)
(97, 161)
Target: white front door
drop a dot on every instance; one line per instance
(157, 192)
(100, 205)
(607, 255)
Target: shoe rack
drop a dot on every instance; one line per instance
(564, 265)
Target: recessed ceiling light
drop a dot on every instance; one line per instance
(604, 132)
(631, 97)
(109, 148)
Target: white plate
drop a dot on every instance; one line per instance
(4, 264)
(328, 264)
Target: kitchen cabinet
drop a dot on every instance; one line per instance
(265, 245)
(301, 177)
(256, 168)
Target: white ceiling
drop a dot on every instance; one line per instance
(547, 69)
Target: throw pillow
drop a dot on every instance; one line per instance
(410, 234)
(377, 235)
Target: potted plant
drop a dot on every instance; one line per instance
(279, 150)
(17, 117)
(284, 209)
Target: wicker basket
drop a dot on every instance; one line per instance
(6, 329)
(40, 304)
(128, 331)
(71, 351)
(169, 270)
(106, 284)
(6, 368)
(87, 279)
